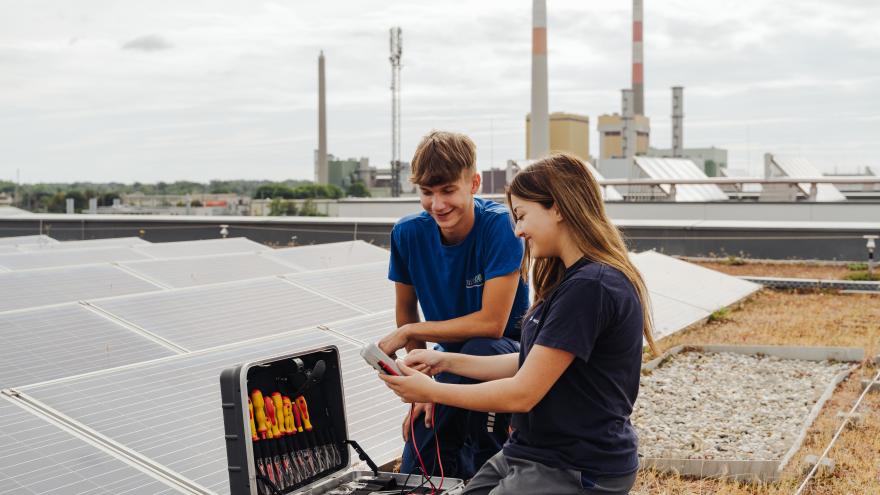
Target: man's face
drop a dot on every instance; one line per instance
(449, 203)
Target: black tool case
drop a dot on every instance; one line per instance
(304, 448)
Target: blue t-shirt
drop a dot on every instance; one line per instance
(448, 280)
(583, 421)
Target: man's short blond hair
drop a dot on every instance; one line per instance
(442, 157)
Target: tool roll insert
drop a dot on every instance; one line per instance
(285, 426)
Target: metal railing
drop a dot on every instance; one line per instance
(738, 182)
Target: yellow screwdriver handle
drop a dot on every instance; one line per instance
(289, 422)
(272, 419)
(260, 414)
(304, 411)
(279, 413)
(254, 436)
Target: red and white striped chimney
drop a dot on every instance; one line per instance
(638, 72)
(540, 118)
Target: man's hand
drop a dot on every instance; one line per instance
(394, 341)
(420, 407)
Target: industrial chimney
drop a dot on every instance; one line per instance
(322, 175)
(540, 119)
(628, 132)
(638, 71)
(677, 121)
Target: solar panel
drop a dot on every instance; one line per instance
(68, 257)
(40, 458)
(203, 317)
(89, 243)
(187, 272)
(205, 247)
(801, 167)
(366, 286)
(689, 283)
(680, 168)
(26, 239)
(48, 343)
(333, 255)
(671, 315)
(30, 288)
(170, 410)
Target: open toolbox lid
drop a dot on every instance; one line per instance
(298, 436)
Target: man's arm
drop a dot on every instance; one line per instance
(406, 310)
(489, 321)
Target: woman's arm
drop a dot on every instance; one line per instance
(482, 368)
(518, 393)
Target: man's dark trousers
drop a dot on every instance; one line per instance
(466, 441)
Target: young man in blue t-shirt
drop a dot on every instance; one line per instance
(460, 260)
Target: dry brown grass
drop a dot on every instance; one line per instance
(810, 319)
(824, 272)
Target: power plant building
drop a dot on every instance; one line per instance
(610, 129)
(569, 133)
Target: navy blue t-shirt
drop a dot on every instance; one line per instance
(583, 421)
(448, 280)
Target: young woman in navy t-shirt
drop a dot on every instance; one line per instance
(573, 384)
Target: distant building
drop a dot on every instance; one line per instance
(569, 133)
(344, 173)
(712, 160)
(611, 135)
(494, 180)
(380, 181)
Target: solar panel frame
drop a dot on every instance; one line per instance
(66, 340)
(27, 239)
(205, 247)
(68, 257)
(190, 272)
(40, 458)
(671, 315)
(32, 288)
(681, 168)
(208, 316)
(332, 255)
(707, 289)
(87, 244)
(365, 286)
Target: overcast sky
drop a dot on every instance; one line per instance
(155, 90)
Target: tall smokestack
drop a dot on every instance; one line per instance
(540, 133)
(638, 73)
(628, 133)
(677, 121)
(322, 174)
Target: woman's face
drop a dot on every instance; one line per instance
(539, 227)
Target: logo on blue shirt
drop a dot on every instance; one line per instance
(475, 281)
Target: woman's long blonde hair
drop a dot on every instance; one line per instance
(564, 180)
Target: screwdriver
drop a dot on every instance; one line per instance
(264, 462)
(281, 461)
(284, 429)
(258, 448)
(323, 450)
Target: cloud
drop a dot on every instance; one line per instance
(148, 43)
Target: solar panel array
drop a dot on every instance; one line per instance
(41, 458)
(129, 352)
(680, 168)
(683, 293)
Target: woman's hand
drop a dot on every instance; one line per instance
(427, 362)
(412, 386)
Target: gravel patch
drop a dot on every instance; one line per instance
(727, 406)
